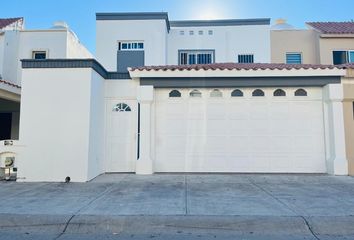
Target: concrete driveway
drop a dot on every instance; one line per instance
(171, 206)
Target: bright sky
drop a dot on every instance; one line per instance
(80, 14)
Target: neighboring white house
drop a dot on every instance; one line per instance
(189, 113)
(17, 43)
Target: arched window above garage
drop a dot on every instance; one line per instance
(195, 93)
(279, 93)
(121, 107)
(258, 93)
(216, 93)
(174, 93)
(300, 93)
(237, 93)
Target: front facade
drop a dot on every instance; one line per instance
(211, 102)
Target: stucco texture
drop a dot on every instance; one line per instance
(349, 124)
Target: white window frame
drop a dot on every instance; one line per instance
(131, 45)
(298, 53)
(35, 51)
(195, 52)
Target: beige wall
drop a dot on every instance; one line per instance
(303, 41)
(330, 44)
(349, 122)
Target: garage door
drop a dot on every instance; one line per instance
(239, 130)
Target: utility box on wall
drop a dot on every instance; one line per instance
(8, 170)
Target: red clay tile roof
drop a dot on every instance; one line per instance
(7, 21)
(235, 66)
(10, 84)
(333, 27)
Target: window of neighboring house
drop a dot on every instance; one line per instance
(293, 58)
(342, 57)
(196, 57)
(200, 32)
(181, 32)
(245, 58)
(39, 54)
(130, 46)
(191, 32)
(210, 32)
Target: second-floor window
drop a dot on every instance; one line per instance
(245, 58)
(342, 57)
(39, 55)
(130, 46)
(293, 58)
(196, 57)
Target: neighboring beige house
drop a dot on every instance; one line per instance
(321, 43)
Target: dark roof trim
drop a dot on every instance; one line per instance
(213, 82)
(135, 16)
(225, 22)
(74, 63)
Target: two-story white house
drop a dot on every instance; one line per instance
(18, 43)
(178, 96)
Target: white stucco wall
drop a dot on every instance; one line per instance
(55, 124)
(10, 53)
(227, 41)
(96, 135)
(110, 32)
(75, 49)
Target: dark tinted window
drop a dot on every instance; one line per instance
(258, 93)
(237, 93)
(300, 92)
(39, 55)
(340, 57)
(279, 93)
(174, 93)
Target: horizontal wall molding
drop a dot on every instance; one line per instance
(226, 22)
(74, 63)
(239, 82)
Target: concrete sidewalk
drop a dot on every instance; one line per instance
(169, 206)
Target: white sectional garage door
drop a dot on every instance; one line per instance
(212, 131)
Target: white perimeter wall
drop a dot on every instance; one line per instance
(109, 32)
(60, 125)
(227, 41)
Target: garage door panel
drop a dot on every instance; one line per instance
(243, 134)
(239, 145)
(216, 127)
(239, 127)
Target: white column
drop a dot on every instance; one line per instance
(144, 163)
(337, 162)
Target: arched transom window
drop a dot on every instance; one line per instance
(258, 93)
(174, 93)
(279, 93)
(121, 107)
(215, 93)
(195, 93)
(300, 92)
(237, 93)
